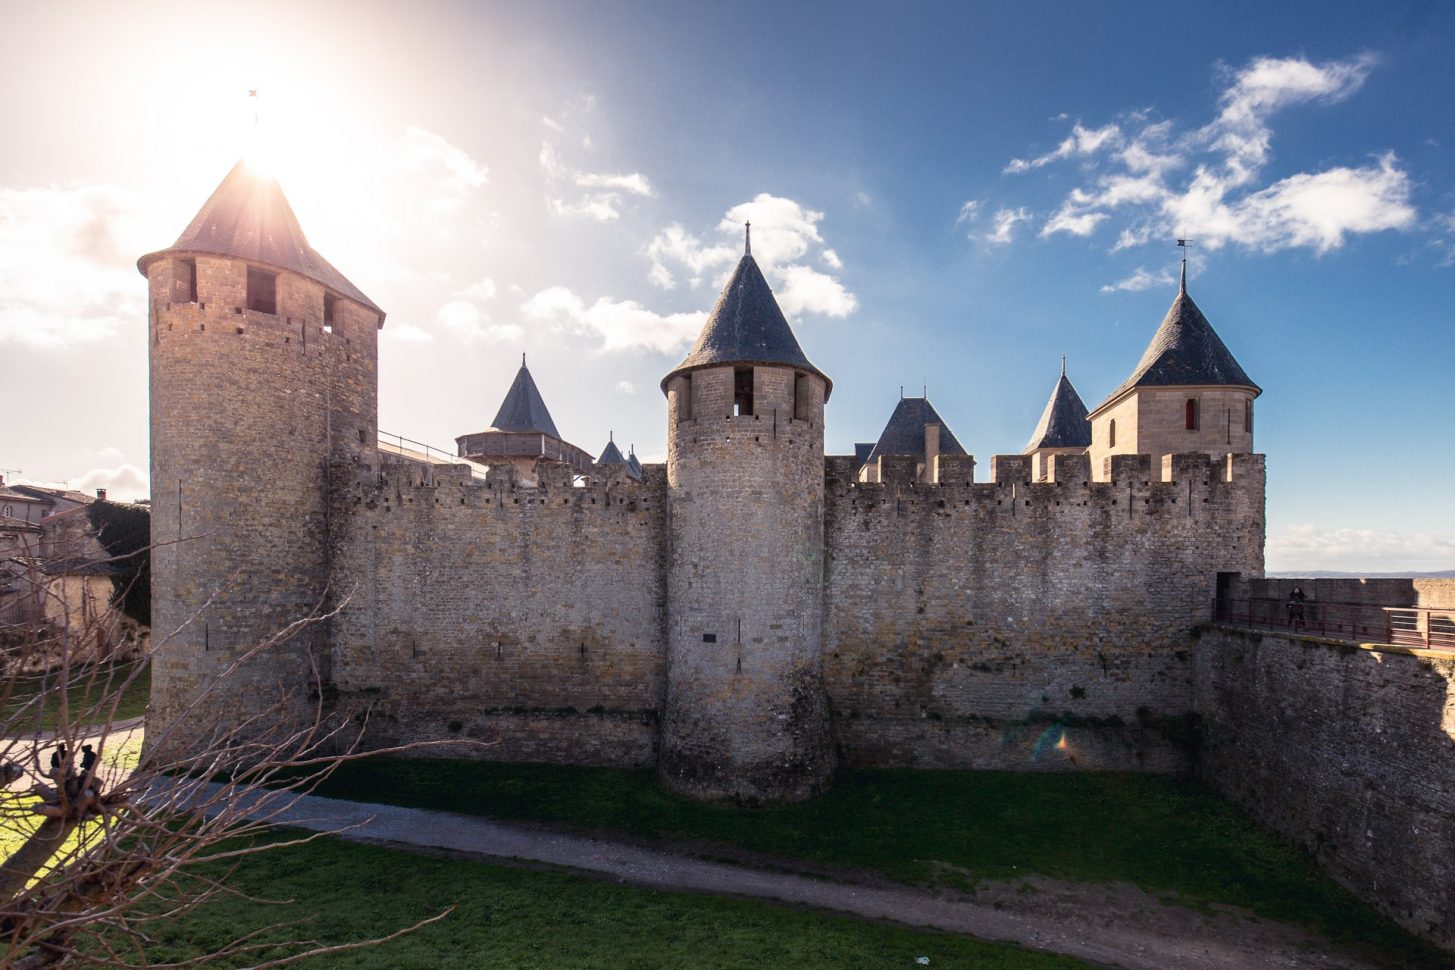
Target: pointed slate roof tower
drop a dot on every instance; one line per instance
(248, 217)
(523, 408)
(1063, 424)
(746, 326)
(611, 454)
(1184, 352)
(633, 463)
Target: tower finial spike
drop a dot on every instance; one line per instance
(747, 239)
(1182, 285)
(1063, 365)
(522, 358)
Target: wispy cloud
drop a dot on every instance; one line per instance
(969, 212)
(1004, 222)
(125, 483)
(1307, 547)
(1218, 198)
(459, 173)
(621, 325)
(1141, 280)
(465, 317)
(784, 232)
(68, 265)
(603, 199)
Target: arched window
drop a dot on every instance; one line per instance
(6, 512)
(1192, 414)
(1111, 432)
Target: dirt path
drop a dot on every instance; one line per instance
(1117, 925)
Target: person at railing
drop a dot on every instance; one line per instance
(1295, 608)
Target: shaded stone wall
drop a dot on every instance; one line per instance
(1350, 752)
(531, 615)
(746, 714)
(246, 409)
(1014, 624)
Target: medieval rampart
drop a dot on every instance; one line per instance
(1348, 750)
(1015, 624)
(489, 610)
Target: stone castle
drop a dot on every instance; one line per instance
(752, 613)
(744, 617)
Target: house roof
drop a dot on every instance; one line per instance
(746, 326)
(523, 408)
(9, 523)
(1063, 424)
(1185, 351)
(905, 432)
(248, 217)
(14, 493)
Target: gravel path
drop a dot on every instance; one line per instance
(1116, 925)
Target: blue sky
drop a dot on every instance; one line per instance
(943, 194)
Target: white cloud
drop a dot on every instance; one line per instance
(406, 333)
(784, 233)
(969, 212)
(1219, 201)
(1141, 280)
(625, 387)
(1005, 221)
(1080, 143)
(1308, 547)
(553, 124)
(468, 322)
(621, 325)
(126, 483)
(603, 206)
(68, 264)
(461, 173)
(482, 290)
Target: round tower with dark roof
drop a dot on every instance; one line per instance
(264, 364)
(746, 715)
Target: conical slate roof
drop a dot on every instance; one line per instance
(633, 463)
(524, 409)
(905, 432)
(611, 454)
(249, 218)
(1185, 351)
(746, 327)
(1063, 424)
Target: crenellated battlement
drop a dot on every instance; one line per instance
(399, 486)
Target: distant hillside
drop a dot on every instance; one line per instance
(1331, 574)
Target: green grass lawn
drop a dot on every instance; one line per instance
(1165, 835)
(522, 919)
(84, 691)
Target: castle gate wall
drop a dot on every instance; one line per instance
(1014, 624)
(494, 612)
(1349, 751)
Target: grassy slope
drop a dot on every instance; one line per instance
(522, 919)
(82, 693)
(1164, 835)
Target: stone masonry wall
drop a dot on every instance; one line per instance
(493, 611)
(1349, 751)
(1016, 625)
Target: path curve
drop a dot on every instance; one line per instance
(1113, 925)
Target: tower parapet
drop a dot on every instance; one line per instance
(264, 367)
(746, 714)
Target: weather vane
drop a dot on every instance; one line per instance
(1183, 244)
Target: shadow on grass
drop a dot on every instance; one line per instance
(1162, 834)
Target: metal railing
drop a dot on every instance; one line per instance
(1408, 626)
(419, 447)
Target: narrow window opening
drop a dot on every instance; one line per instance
(363, 439)
(328, 311)
(262, 291)
(743, 391)
(800, 397)
(684, 403)
(1111, 432)
(1192, 416)
(1248, 416)
(189, 266)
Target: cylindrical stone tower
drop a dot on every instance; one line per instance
(746, 716)
(264, 364)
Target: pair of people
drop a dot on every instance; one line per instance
(61, 768)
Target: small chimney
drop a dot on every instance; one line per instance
(101, 494)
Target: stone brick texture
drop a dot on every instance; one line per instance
(1016, 624)
(746, 715)
(1346, 750)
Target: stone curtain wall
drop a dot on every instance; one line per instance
(1349, 751)
(485, 611)
(1013, 624)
